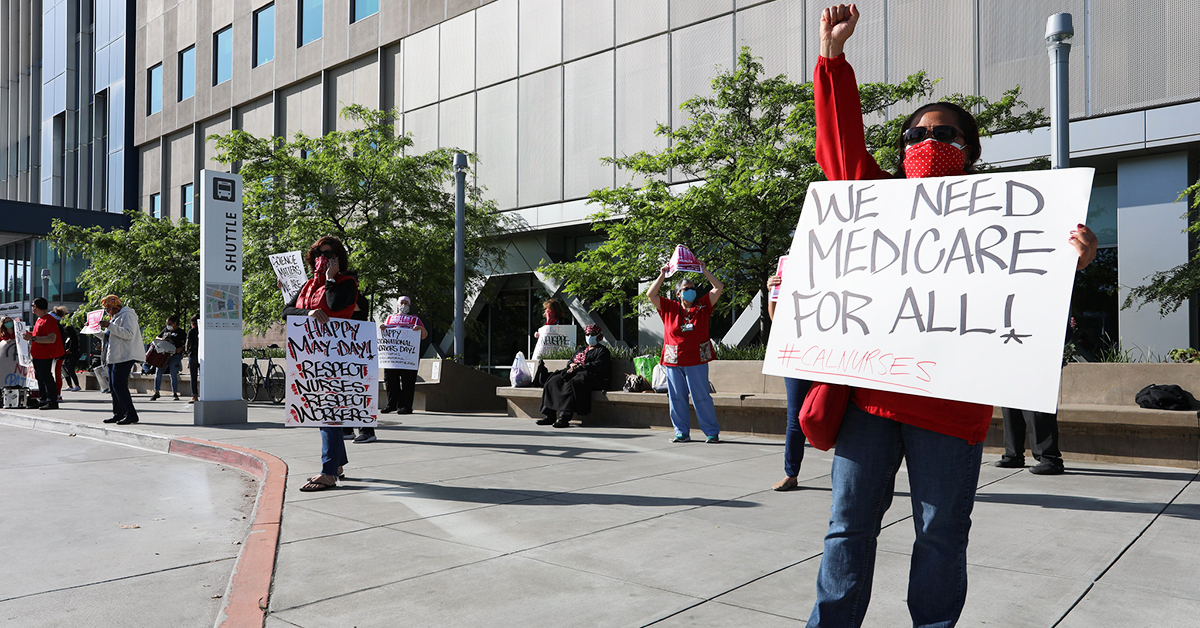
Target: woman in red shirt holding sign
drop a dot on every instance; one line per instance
(940, 441)
(331, 293)
(687, 350)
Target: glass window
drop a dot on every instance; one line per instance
(187, 199)
(264, 35)
(310, 20)
(156, 205)
(187, 73)
(223, 55)
(154, 90)
(362, 8)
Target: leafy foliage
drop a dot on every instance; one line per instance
(1170, 288)
(154, 266)
(750, 147)
(393, 210)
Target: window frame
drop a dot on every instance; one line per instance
(155, 209)
(180, 96)
(355, 17)
(216, 60)
(150, 88)
(255, 42)
(187, 202)
(302, 4)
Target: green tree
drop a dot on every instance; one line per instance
(154, 266)
(750, 146)
(393, 210)
(1170, 288)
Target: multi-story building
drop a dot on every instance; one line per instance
(542, 89)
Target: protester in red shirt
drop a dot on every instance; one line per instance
(687, 350)
(45, 346)
(939, 440)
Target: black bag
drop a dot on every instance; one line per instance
(1165, 397)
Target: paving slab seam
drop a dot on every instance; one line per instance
(247, 596)
(1123, 551)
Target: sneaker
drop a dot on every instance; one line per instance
(347, 433)
(549, 420)
(388, 410)
(176, 396)
(155, 396)
(127, 421)
(562, 423)
(712, 439)
(115, 419)
(681, 438)
(404, 411)
(1010, 463)
(364, 437)
(1047, 467)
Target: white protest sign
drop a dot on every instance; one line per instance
(93, 323)
(10, 368)
(332, 373)
(955, 288)
(289, 270)
(399, 348)
(552, 336)
(23, 354)
(779, 272)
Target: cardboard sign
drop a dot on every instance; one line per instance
(332, 373)
(23, 355)
(93, 323)
(682, 260)
(779, 272)
(289, 270)
(399, 348)
(552, 336)
(955, 287)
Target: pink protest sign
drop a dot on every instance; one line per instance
(401, 320)
(93, 323)
(682, 259)
(779, 273)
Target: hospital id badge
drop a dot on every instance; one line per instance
(686, 327)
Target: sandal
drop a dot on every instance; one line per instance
(318, 483)
(786, 484)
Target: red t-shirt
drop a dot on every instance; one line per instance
(842, 153)
(686, 340)
(45, 326)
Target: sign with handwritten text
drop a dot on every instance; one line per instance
(289, 270)
(553, 336)
(93, 323)
(399, 348)
(955, 287)
(332, 373)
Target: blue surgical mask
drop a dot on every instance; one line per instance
(593, 340)
(688, 295)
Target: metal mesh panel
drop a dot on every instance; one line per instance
(540, 138)
(497, 119)
(457, 56)
(698, 53)
(865, 51)
(1144, 53)
(421, 69)
(456, 123)
(496, 42)
(1012, 50)
(588, 124)
(540, 34)
(422, 124)
(684, 12)
(775, 32)
(643, 97)
(587, 27)
(936, 36)
(640, 18)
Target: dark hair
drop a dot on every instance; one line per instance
(173, 319)
(338, 248)
(195, 319)
(41, 303)
(966, 124)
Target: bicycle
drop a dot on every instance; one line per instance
(275, 381)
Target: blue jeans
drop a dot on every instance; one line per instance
(333, 450)
(118, 387)
(793, 440)
(682, 380)
(173, 366)
(943, 472)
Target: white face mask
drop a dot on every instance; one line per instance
(404, 308)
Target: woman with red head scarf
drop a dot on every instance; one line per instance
(569, 391)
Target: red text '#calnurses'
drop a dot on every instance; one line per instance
(874, 365)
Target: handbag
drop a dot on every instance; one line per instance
(155, 358)
(659, 381)
(822, 412)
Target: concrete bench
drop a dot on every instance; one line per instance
(744, 398)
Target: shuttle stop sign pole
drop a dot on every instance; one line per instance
(220, 300)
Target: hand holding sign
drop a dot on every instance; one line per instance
(93, 323)
(683, 260)
(289, 270)
(332, 373)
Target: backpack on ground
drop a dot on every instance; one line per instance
(1164, 397)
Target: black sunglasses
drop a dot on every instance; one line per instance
(329, 254)
(942, 133)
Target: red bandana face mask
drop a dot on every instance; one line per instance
(932, 158)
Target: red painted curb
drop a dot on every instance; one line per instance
(249, 591)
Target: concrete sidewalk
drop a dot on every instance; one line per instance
(453, 520)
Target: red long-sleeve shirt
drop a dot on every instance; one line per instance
(842, 154)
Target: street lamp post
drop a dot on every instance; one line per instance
(1058, 35)
(46, 283)
(460, 258)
